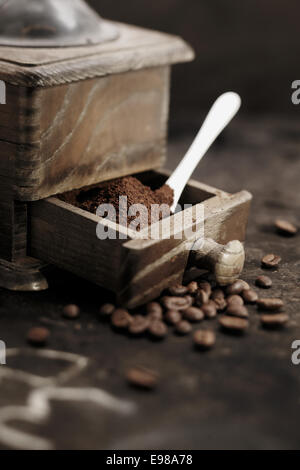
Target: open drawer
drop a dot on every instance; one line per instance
(136, 269)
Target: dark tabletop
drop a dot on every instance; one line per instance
(244, 394)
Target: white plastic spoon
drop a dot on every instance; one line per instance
(220, 115)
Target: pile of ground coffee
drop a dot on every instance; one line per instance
(109, 193)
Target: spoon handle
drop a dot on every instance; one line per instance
(221, 113)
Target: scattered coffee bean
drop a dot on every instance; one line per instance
(154, 310)
(107, 310)
(158, 329)
(139, 325)
(250, 296)
(220, 304)
(71, 312)
(217, 294)
(204, 339)
(234, 324)
(178, 290)
(155, 316)
(183, 328)
(192, 287)
(121, 319)
(270, 261)
(193, 314)
(177, 303)
(173, 317)
(264, 281)
(202, 298)
(286, 228)
(38, 336)
(270, 304)
(237, 287)
(142, 378)
(204, 285)
(219, 298)
(210, 310)
(235, 299)
(274, 321)
(236, 310)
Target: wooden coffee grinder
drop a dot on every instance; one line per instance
(86, 101)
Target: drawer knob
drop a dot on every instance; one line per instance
(226, 262)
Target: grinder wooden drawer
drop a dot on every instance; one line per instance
(135, 269)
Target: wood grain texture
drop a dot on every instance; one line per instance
(66, 236)
(135, 49)
(137, 270)
(13, 223)
(76, 135)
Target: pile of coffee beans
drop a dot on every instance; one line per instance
(182, 308)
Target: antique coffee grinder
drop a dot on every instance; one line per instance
(87, 101)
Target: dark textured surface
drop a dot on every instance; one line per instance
(244, 394)
(251, 47)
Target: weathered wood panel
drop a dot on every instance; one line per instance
(56, 139)
(66, 236)
(135, 49)
(13, 223)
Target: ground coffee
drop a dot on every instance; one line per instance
(90, 199)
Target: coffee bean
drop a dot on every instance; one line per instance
(192, 287)
(121, 319)
(219, 298)
(250, 296)
(202, 298)
(71, 312)
(38, 336)
(264, 281)
(183, 328)
(220, 304)
(178, 290)
(210, 310)
(193, 314)
(274, 321)
(204, 339)
(154, 310)
(217, 294)
(237, 287)
(142, 378)
(236, 310)
(205, 285)
(139, 325)
(235, 299)
(270, 304)
(177, 303)
(285, 228)
(234, 324)
(158, 329)
(155, 316)
(107, 310)
(270, 261)
(173, 317)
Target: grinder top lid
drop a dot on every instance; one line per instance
(52, 23)
(47, 43)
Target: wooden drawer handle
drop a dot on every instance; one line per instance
(226, 262)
